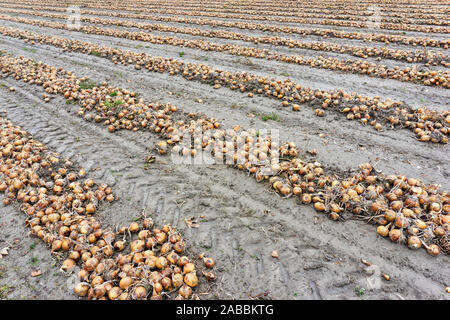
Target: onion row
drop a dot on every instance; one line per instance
(332, 22)
(427, 57)
(428, 19)
(325, 33)
(428, 125)
(438, 78)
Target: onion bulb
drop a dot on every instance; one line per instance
(67, 265)
(383, 231)
(81, 289)
(114, 293)
(433, 250)
(395, 234)
(177, 280)
(134, 227)
(191, 279)
(414, 242)
(185, 291)
(189, 267)
(208, 262)
(125, 282)
(140, 293)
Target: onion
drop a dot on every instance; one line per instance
(125, 282)
(81, 289)
(147, 223)
(172, 257)
(134, 227)
(137, 245)
(177, 280)
(401, 222)
(191, 279)
(150, 243)
(395, 235)
(138, 257)
(90, 208)
(319, 206)
(185, 291)
(174, 238)
(161, 262)
(83, 275)
(144, 234)
(123, 296)
(208, 262)
(439, 231)
(119, 245)
(114, 293)
(74, 255)
(420, 224)
(90, 264)
(383, 231)
(179, 246)
(210, 276)
(157, 288)
(433, 250)
(140, 292)
(151, 262)
(66, 244)
(165, 248)
(68, 265)
(306, 198)
(161, 237)
(166, 283)
(166, 228)
(414, 242)
(99, 291)
(96, 281)
(188, 267)
(56, 245)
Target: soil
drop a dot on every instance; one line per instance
(240, 221)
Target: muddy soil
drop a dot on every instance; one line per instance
(240, 220)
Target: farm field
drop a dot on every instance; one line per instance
(224, 149)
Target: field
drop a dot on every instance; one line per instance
(136, 162)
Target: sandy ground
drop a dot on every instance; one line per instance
(241, 221)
